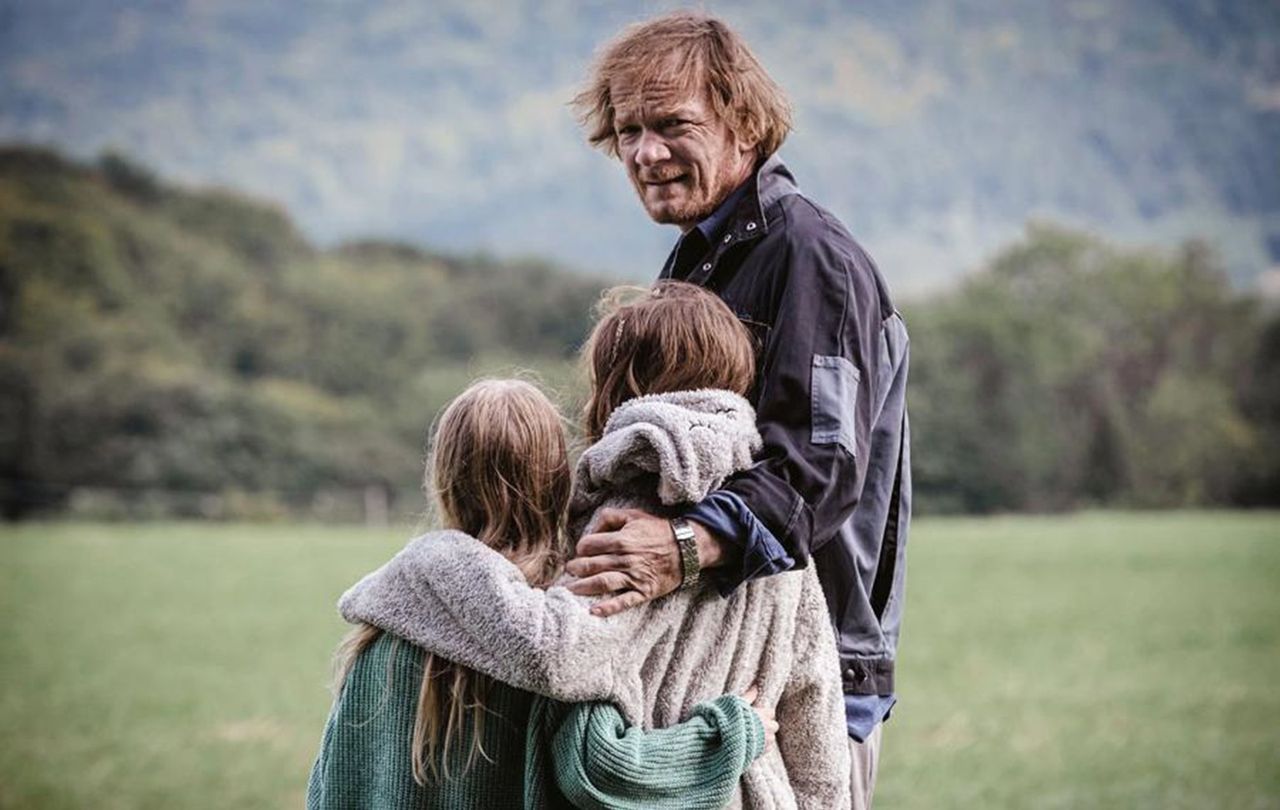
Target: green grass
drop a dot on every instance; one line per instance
(1098, 660)
(1102, 660)
(167, 666)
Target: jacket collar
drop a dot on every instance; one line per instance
(747, 221)
(771, 182)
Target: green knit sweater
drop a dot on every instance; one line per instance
(542, 754)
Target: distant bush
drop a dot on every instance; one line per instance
(1073, 373)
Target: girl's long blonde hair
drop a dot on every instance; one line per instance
(498, 469)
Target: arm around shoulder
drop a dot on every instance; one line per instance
(452, 595)
(600, 762)
(816, 372)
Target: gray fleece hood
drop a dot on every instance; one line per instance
(679, 446)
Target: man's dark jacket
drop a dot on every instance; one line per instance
(833, 483)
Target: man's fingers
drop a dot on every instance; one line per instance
(611, 519)
(619, 603)
(596, 564)
(600, 584)
(638, 533)
(751, 694)
(597, 543)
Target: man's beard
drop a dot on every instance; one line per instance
(692, 211)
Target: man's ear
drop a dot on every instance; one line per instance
(746, 150)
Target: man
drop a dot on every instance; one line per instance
(696, 123)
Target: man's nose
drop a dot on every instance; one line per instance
(651, 149)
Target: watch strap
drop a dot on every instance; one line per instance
(690, 569)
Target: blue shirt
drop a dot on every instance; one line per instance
(727, 516)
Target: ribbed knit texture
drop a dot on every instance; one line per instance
(600, 761)
(365, 758)
(542, 754)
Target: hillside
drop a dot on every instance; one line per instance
(935, 128)
(182, 349)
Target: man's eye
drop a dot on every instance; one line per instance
(627, 130)
(673, 123)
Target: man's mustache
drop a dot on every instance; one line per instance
(660, 176)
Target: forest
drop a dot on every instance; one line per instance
(168, 351)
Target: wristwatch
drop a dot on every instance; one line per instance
(690, 569)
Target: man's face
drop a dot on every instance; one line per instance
(682, 159)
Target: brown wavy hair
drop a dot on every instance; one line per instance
(673, 336)
(498, 468)
(695, 53)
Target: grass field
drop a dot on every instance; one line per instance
(1091, 661)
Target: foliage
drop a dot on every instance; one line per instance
(157, 341)
(932, 127)
(1072, 372)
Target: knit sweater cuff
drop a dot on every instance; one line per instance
(735, 707)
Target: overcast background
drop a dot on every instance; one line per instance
(934, 128)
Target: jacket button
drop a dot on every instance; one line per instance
(728, 237)
(751, 226)
(706, 266)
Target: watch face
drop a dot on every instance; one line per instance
(681, 529)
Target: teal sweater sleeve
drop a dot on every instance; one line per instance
(600, 762)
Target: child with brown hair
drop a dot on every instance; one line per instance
(669, 337)
(670, 423)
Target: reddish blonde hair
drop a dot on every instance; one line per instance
(697, 54)
(671, 337)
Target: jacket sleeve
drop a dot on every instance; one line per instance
(451, 595)
(819, 363)
(600, 762)
(812, 735)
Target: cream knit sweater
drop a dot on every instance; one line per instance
(454, 596)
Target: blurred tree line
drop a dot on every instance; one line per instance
(1073, 373)
(172, 351)
(169, 351)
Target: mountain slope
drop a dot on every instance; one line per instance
(934, 128)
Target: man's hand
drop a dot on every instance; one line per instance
(633, 555)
